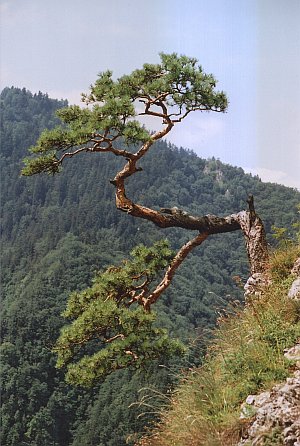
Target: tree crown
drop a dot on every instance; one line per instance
(168, 91)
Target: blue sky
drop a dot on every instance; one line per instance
(251, 46)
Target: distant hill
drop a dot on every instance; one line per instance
(56, 231)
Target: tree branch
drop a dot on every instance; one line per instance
(114, 337)
(71, 154)
(176, 262)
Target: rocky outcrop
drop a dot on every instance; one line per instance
(296, 268)
(294, 292)
(274, 416)
(275, 413)
(255, 285)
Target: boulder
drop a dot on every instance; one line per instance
(276, 412)
(296, 268)
(294, 292)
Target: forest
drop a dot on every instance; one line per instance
(58, 231)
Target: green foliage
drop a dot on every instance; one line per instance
(45, 163)
(287, 236)
(279, 233)
(125, 335)
(177, 84)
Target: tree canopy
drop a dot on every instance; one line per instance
(168, 91)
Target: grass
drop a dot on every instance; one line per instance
(245, 357)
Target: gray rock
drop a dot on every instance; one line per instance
(277, 409)
(255, 285)
(294, 292)
(296, 268)
(293, 354)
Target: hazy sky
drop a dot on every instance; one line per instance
(251, 46)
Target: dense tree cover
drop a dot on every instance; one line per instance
(57, 231)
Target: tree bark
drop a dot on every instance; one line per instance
(247, 221)
(176, 262)
(255, 239)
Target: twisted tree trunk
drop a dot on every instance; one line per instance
(247, 221)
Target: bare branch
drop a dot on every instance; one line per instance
(114, 150)
(115, 337)
(152, 113)
(71, 154)
(176, 262)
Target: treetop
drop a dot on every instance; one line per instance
(168, 91)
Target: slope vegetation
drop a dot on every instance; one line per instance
(245, 357)
(57, 231)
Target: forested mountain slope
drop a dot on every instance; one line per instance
(56, 231)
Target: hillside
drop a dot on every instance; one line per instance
(57, 231)
(247, 391)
